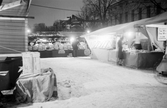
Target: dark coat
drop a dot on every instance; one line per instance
(120, 52)
(75, 44)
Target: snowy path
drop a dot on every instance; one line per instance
(86, 83)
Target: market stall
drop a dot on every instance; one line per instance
(141, 49)
(57, 46)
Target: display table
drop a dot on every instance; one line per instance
(104, 55)
(142, 60)
(53, 53)
(36, 87)
(58, 53)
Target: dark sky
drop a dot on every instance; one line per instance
(48, 16)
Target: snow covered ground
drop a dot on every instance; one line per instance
(86, 83)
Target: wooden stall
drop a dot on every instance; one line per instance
(151, 52)
(56, 46)
(13, 25)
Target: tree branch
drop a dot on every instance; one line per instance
(156, 4)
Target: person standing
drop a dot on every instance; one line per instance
(75, 47)
(120, 52)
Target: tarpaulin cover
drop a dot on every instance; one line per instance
(153, 37)
(156, 19)
(104, 38)
(92, 38)
(162, 67)
(36, 87)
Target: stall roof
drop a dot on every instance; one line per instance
(155, 20)
(14, 8)
(115, 29)
(128, 26)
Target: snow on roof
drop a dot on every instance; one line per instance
(14, 8)
(128, 26)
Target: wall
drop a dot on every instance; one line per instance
(138, 9)
(12, 36)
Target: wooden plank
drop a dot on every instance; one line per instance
(10, 55)
(12, 36)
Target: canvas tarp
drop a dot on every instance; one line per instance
(93, 38)
(152, 34)
(106, 35)
(36, 87)
(102, 39)
(156, 21)
(161, 18)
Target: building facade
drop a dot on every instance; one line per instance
(126, 11)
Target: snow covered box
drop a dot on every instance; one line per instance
(31, 62)
(32, 88)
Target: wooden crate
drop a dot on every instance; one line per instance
(31, 62)
(27, 63)
(36, 62)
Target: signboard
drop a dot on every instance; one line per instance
(162, 34)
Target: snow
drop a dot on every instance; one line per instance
(86, 83)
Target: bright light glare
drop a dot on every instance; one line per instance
(129, 34)
(88, 31)
(28, 31)
(72, 39)
(104, 38)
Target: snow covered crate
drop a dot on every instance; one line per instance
(31, 62)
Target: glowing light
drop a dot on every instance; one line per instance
(28, 31)
(129, 34)
(72, 39)
(88, 31)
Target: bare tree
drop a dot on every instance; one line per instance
(39, 27)
(96, 10)
(58, 25)
(111, 12)
(100, 7)
(157, 3)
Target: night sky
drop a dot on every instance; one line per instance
(48, 16)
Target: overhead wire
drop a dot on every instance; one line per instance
(49, 7)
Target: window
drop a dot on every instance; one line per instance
(126, 16)
(120, 18)
(158, 9)
(132, 15)
(148, 11)
(115, 19)
(140, 13)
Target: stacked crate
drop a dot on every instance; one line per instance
(31, 62)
